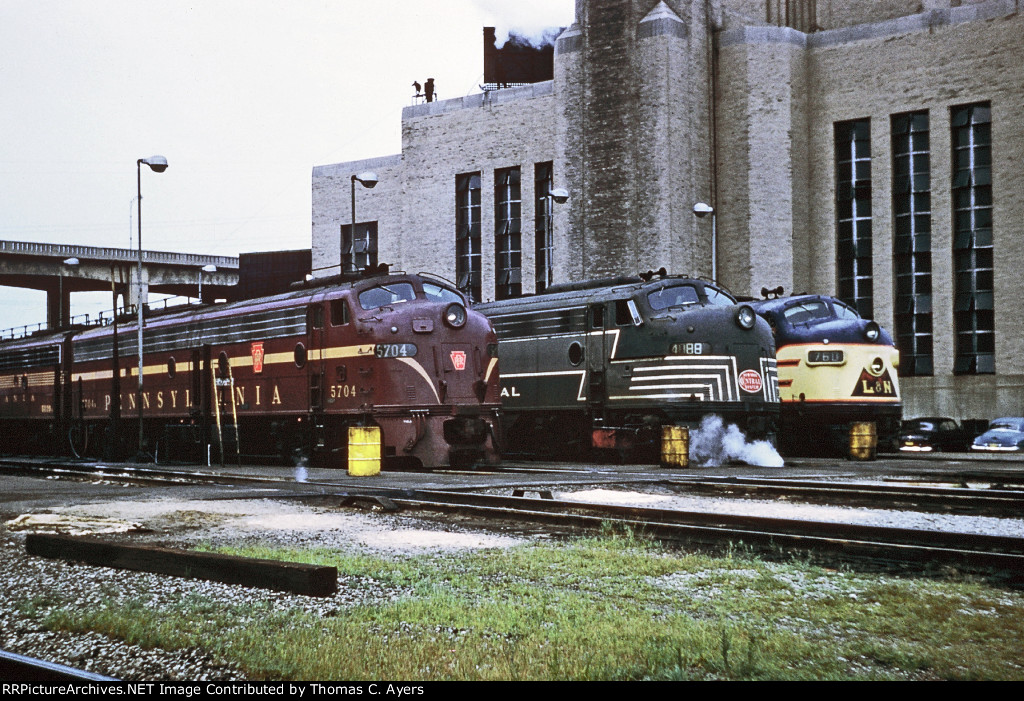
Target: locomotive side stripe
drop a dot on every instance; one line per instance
(239, 361)
(670, 395)
(580, 396)
(615, 342)
(724, 368)
(715, 383)
(490, 369)
(422, 373)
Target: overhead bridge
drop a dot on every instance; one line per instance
(60, 269)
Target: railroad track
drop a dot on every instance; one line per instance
(19, 668)
(856, 541)
(954, 500)
(1003, 553)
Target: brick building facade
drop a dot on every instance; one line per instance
(870, 149)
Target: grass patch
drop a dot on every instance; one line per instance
(613, 607)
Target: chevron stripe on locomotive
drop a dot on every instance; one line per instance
(604, 364)
(278, 378)
(835, 369)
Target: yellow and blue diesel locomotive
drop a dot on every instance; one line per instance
(835, 369)
(604, 364)
(271, 378)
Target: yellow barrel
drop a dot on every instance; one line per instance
(863, 440)
(363, 450)
(675, 446)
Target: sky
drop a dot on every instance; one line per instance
(243, 98)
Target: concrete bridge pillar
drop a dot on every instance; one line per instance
(133, 286)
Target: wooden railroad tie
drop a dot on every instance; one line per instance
(295, 577)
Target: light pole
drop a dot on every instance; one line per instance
(702, 209)
(60, 293)
(368, 180)
(208, 268)
(559, 195)
(157, 164)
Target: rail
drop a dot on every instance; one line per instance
(19, 668)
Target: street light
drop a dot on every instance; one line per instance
(157, 164)
(702, 209)
(368, 180)
(559, 195)
(60, 292)
(208, 268)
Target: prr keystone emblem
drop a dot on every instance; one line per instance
(257, 357)
(459, 359)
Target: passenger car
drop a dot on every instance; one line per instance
(931, 433)
(1004, 435)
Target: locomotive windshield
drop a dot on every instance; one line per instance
(678, 296)
(383, 295)
(845, 312)
(439, 293)
(717, 297)
(809, 312)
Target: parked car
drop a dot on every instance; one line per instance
(932, 433)
(1003, 436)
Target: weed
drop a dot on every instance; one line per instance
(612, 607)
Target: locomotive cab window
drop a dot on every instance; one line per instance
(339, 312)
(678, 296)
(845, 312)
(439, 293)
(808, 312)
(626, 313)
(718, 297)
(383, 295)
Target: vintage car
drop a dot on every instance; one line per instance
(932, 434)
(1004, 435)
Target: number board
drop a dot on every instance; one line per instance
(394, 350)
(690, 348)
(823, 357)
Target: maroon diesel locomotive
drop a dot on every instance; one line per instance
(279, 377)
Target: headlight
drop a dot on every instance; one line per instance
(745, 317)
(455, 315)
(872, 331)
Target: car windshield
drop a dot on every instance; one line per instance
(918, 426)
(382, 295)
(678, 296)
(808, 312)
(1006, 425)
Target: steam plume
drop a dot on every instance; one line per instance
(713, 444)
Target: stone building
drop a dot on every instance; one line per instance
(870, 149)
